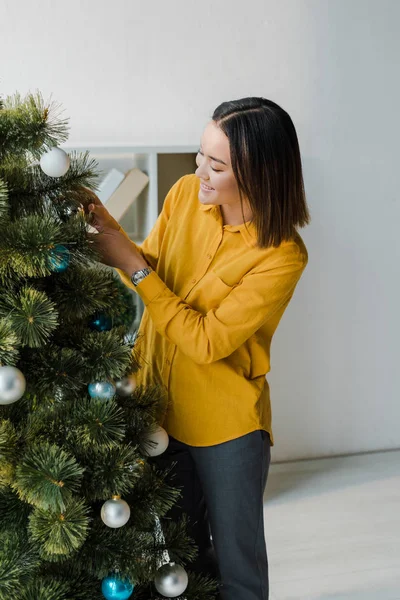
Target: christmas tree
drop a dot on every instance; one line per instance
(81, 502)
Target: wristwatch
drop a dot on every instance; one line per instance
(138, 276)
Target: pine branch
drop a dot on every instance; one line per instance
(110, 472)
(13, 513)
(30, 124)
(28, 185)
(9, 342)
(46, 589)
(47, 476)
(18, 563)
(4, 206)
(34, 317)
(60, 532)
(51, 368)
(95, 422)
(143, 409)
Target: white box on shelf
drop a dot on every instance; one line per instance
(109, 184)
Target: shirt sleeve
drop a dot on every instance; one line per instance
(150, 248)
(218, 333)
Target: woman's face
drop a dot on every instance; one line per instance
(214, 168)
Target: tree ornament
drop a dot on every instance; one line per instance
(115, 512)
(59, 259)
(69, 209)
(126, 386)
(115, 588)
(55, 162)
(101, 389)
(160, 438)
(171, 580)
(101, 322)
(12, 384)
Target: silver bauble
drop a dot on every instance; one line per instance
(126, 386)
(12, 384)
(160, 438)
(171, 580)
(115, 512)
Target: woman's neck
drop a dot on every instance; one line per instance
(232, 215)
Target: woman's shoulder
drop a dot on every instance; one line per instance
(290, 251)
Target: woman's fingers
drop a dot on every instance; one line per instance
(101, 218)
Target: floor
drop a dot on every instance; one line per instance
(332, 528)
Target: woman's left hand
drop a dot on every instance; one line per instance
(116, 250)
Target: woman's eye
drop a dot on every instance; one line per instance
(201, 154)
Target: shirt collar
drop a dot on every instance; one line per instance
(249, 234)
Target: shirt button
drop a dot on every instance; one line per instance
(193, 281)
(209, 256)
(168, 361)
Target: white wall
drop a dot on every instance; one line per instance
(152, 73)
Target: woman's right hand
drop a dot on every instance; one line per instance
(101, 217)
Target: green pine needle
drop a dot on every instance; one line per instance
(47, 476)
(31, 124)
(9, 342)
(34, 316)
(60, 532)
(18, 563)
(4, 206)
(96, 422)
(13, 513)
(110, 472)
(46, 589)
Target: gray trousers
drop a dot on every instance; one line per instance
(222, 494)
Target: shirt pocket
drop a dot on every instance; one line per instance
(209, 292)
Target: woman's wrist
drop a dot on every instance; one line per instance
(135, 263)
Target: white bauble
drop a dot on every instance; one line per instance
(55, 163)
(161, 439)
(12, 384)
(171, 580)
(115, 512)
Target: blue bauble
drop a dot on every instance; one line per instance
(102, 389)
(114, 588)
(101, 322)
(59, 259)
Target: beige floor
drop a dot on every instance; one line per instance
(332, 528)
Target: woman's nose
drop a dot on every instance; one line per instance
(198, 172)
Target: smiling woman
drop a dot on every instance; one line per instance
(225, 258)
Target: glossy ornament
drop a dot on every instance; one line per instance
(171, 580)
(101, 322)
(115, 588)
(12, 384)
(69, 209)
(160, 438)
(55, 163)
(115, 512)
(126, 386)
(59, 259)
(101, 389)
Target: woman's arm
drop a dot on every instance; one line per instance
(208, 338)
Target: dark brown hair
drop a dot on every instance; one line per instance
(266, 162)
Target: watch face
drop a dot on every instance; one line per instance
(137, 277)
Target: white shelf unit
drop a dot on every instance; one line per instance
(164, 165)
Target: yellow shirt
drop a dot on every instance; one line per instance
(212, 305)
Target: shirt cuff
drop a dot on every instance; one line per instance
(150, 287)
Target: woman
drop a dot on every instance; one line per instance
(216, 274)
